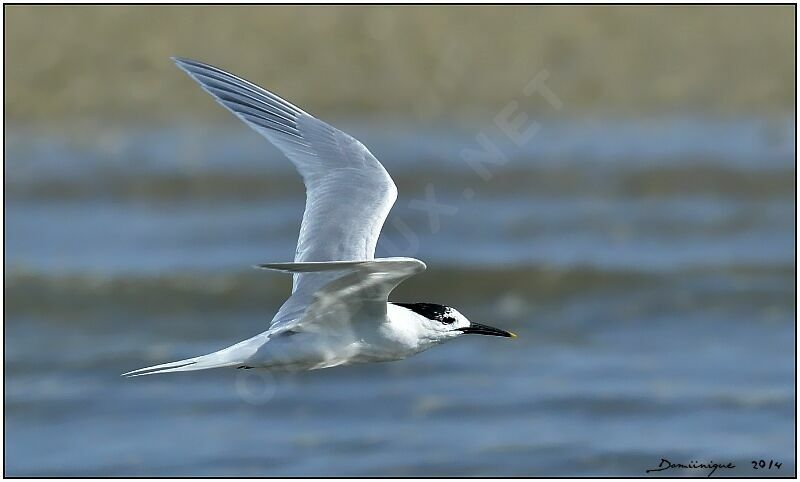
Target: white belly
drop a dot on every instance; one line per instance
(328, 343)
(310, 351)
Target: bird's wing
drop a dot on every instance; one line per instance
(358, 292)
(348, 192)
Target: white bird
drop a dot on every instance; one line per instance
(338, 312)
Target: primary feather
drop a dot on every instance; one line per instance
(348, 192)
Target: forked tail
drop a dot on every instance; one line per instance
(189, 364)
(231, 356)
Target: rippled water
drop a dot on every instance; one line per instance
(648, 268)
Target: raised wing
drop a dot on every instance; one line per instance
(358, 292)
(348, 192)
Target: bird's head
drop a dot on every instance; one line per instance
(442, 322)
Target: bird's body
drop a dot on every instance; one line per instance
(339, 311)
(379, 340)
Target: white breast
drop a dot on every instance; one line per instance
(398, 336)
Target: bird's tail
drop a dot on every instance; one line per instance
(231, 356)
(189, 364)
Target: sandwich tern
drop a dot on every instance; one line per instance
(338, 312)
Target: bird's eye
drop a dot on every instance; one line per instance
(448, 320)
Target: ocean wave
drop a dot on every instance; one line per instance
(509, 289)
(514, 179)
(745, 157)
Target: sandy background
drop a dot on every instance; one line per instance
(90, 63)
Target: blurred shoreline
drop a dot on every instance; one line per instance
(110, 64)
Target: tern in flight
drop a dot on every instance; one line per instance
(338, 312)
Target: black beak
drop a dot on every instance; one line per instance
(478, 329)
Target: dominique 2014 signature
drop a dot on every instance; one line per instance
(757, 465)
(666, 465)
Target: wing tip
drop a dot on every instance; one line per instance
(179, 61)
(197, 70)
(183, 60)
(185, 65)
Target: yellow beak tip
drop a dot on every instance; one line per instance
(513, 335)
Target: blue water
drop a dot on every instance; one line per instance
(648, 268)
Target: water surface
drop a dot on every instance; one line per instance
(648, 268)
